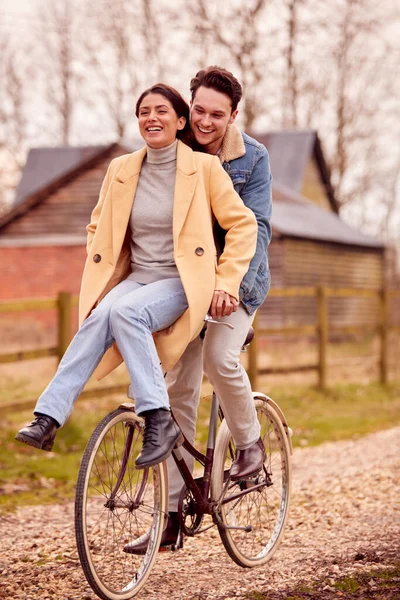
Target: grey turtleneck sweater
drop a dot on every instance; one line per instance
(152, 247)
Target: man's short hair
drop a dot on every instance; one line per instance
(218, 79)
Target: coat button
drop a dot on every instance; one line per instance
(199, 251)
(97, 258)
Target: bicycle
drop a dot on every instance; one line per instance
(116, 503)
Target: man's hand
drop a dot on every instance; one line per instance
(223, 304)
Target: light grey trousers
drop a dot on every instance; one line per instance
(219, 356)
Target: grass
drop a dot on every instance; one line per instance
(379, 584)
(29, 476)
(341, 412)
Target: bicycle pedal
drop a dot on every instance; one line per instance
(175, 548)
(179, 543)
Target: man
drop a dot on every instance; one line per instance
(215, 94)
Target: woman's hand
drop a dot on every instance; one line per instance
(222, 304)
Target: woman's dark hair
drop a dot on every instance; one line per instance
(179, 104)
(219, 79)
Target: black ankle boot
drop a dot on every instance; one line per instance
(169, 538)
(40, 433)
(161, 435)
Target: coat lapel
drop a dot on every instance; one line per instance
(125, 185)
(123, 193)
(186, 180)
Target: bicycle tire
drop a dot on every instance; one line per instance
(105, 522)
(265, 510)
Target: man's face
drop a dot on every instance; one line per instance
(210, 115)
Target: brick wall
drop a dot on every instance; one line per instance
(37, 272)
(40, 271)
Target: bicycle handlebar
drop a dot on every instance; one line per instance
(209, 319)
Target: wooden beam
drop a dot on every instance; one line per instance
(12, 357)
(292, 291)
(300, 330)
(28, 304)
(252, 369)
(323, 336)
(64, 322)
(289, 369)
(384, 334)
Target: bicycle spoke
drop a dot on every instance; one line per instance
(121, 504)
(263, 508)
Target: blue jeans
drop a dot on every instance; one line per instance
(128, 314)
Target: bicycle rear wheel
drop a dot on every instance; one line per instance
(115, 504)
(262, 511)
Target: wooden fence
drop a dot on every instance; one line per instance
(65, 302)
(322, 329)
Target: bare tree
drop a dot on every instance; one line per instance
(111, 54)
(290, 107)
(124, 52)
(153, 39)
(233, 27)
(58, 43)
(304, 82)
(391, 202)
(15, 70)
(354, 67)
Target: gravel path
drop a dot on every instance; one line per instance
(345, 517)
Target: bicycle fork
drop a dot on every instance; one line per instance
(112, 502)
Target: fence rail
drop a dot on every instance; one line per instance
(322, 328)
(65, 302)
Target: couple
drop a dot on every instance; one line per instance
(174, 235)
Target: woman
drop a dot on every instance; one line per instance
(151, 269)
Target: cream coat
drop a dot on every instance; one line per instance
(202, 189)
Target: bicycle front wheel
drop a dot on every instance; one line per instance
(116, 504)
(252, 524)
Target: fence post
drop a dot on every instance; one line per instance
(252, 367)
(322, 336)
(384, 325)
(64, 304)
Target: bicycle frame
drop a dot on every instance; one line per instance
(201, 493)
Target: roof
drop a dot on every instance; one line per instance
(289, 152)
(48, 169)
(294, 216)
(46, 165)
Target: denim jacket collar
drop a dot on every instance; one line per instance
(232, 145)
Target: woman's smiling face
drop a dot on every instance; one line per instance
(158, 121)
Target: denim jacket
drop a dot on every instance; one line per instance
(247, 163)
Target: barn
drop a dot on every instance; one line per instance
(312, 245)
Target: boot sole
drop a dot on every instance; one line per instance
(47, 446)
(247, 476)
(171, 547)
(239, 477)
(178, 443)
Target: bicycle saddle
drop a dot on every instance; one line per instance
(249, 337)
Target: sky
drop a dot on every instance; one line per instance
(17, 15)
